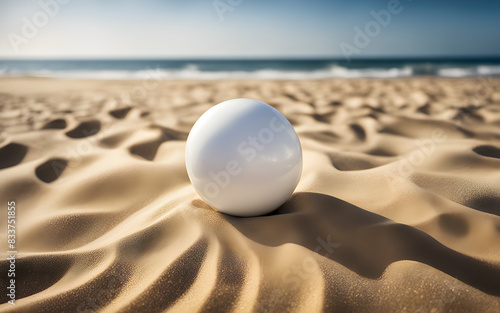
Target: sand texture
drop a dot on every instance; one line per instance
(397, 210)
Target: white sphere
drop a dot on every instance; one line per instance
(243, 157)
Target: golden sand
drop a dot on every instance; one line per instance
(397, 210)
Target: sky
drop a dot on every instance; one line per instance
(248, 28)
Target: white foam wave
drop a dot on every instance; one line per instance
(193, 72)
(489, 70)
(481, 70)
(456, 72)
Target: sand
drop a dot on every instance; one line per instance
(397, 210)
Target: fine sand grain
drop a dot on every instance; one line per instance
(397, 210)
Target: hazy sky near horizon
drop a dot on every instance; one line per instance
(254, 28)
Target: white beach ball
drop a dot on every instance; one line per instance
(243, 157)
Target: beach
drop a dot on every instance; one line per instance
(397, 209)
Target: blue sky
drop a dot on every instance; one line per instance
(252, 28)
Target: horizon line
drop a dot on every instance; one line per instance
(252, 58)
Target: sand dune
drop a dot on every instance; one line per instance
(397, 210)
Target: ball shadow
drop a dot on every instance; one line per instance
(362, 241)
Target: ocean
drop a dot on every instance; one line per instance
(250, 69)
